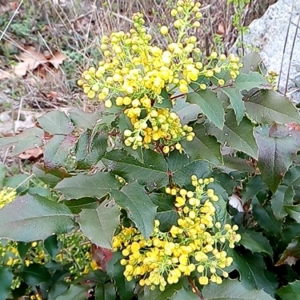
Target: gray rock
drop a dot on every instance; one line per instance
(276, 35)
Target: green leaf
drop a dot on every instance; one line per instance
(291, 254)
(199, 168)
(6, 277)
(35, 274)
(96, 185)
(292, 177)
(293, 211)
(57, 151)
(203, 147)
(100, 224)
(89, 152)
(265, 217)
(290, 291)
(276, 152)
(232, 290)
(254, 185)
(2, 174)
(168, 293)
(75, 292)
(239, 137)
(83, 119)
(185, 294)
(115, 270)
(30, 218)
(268, 106)
(52, 245)
(251, 62)
(256, 242)
(242, 82)
(139, 206)
(283, 196)
(233, 163)
(187, 112)
(210, 105)
(152, 170)
(28, 139)
(252, 272)
(56, 122)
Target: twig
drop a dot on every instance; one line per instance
(284, 48)
(195, 289)
(291, 55)
(11, 19)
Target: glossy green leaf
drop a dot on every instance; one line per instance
(185, 294)
(268, 106)
(57, 151)
(256, 242)
(233, 163)
(6, 277)
(89, 152)
(290, 291)
(152, 170)
(251, 62)
(35, 274)
(83, 119)
(187, 112)
(210, 105)
(293, 211)
(52, 245)
(138, 205)
(276, 152)
(292, 177)
(242, 82)
(105, 220)
(232, 290)
(50, 177)
(252, 272)
(283, 197)
(125, 288)
(96, 185)
(239, 137)
(28, 139)
(30, 218)
(199, 168)
(75, 292)
(203, 146)
(254, 185)
(291, 254)
(265, 217)
(56, 122)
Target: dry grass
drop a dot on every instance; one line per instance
(75, 27)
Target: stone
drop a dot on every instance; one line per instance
(276, 35)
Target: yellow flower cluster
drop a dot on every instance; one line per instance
(75, 252)
(136, 75)
(7, 195)
(195, 246)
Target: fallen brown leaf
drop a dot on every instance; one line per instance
(57, 59)
(31, 154)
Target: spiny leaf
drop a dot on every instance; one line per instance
(57, 151)
(232, 290)
(152, 170)
(28, 139)
(256, 242)
(290, 291)
(105, 221)
(83, 119)
(243, 82)
(239, 137)
(56, 122)
(268, 106)
(283, 197)
(203, 147)
(96, 185)
(30, 218)
(293, 211)
(276, 152)
(187, 112)
(6, 277)
(210, 105)
(139, 206)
